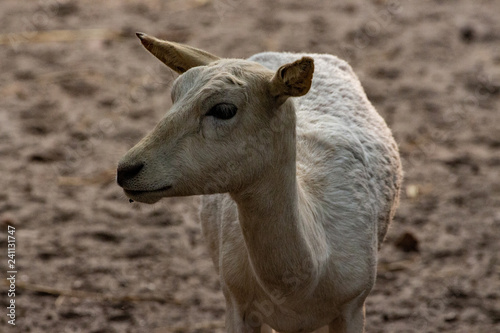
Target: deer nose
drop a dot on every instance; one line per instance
(127, 172)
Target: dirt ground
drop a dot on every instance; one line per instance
(73, 103)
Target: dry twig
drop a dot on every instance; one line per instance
(103, 177)
(94, 295)
(210, 325)
(396, 266)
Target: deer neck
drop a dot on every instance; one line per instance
(277, 224)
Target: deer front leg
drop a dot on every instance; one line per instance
(238, 326)
(352, 319)
(235, 322)
(266, 329)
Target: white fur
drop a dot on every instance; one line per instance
(349, 171)
(311, 184)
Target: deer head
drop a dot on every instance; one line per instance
(206, 142)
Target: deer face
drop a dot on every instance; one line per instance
(205, 143)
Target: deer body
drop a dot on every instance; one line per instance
(343, 210)
(299, 194)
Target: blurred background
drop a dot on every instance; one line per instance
(77, 90)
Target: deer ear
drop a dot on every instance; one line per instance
(177, 56)
(293, 79)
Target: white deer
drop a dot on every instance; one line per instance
(299, 192)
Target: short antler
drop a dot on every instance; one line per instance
(178, 57)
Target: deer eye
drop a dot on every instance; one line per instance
(222, 111)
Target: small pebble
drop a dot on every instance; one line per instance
(467, 34)
(407, 242)
(450, 317)
(412, 191)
